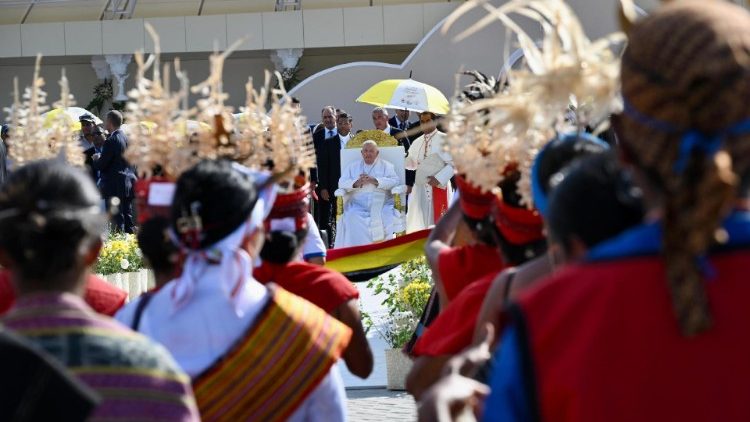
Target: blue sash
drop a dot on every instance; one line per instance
(645, 239)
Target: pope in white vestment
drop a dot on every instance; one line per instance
(369, 212)
(434, 168)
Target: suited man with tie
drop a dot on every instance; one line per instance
(330, 166)
(116, 175)
(325, 205)
(400, 120)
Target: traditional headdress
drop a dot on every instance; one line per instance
(36, 136)
(177, 137)
(565, 73)
(267, 145)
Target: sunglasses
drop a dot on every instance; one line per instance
(97, 133)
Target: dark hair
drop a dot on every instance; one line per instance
(156, 245)
(344, 115)
(48, 209)
(562, 152)
(595, 201)
(281, 246)
(219, 195)
(517, 254)
(115, 117)
(484, 229)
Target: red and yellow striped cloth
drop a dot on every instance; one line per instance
(378, 255)
(280, 361)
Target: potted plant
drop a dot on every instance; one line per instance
(406, 293)
(120, 263)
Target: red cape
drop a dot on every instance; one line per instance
(324, 287)
(453, 330)
(100, 295)
(460, 266)
(605, 345)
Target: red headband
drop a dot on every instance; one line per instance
(291, 205)
(518, 225)
(474, 203)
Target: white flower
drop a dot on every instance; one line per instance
(124, 264)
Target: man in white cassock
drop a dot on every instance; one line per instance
(369, 213)
(430, 195)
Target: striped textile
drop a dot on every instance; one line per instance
(269, 373)
(137, 380)
(378, 255)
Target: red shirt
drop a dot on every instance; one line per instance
(458, 267)
(605, 345)
(326, 288)
(100, 295)
(453, 330)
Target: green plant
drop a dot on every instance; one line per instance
(406, 294)
(120, 253)
(103, 92)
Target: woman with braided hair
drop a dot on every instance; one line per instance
(652, 326)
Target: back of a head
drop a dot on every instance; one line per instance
(157, 247)
(281, 246)
(594, 202)
(48, 210)
(559, 153)
(219, 195)
(115, 117)
(686, 83)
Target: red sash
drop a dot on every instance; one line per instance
(439, 202)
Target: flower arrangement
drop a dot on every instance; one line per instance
(406, 294)
(119, 254)
(103, 92)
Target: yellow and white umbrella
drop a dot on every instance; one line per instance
(406, 94)
(70, 113)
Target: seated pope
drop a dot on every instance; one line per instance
(369, 214)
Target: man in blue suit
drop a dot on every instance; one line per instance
(116, 175)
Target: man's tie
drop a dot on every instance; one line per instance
(330, 133)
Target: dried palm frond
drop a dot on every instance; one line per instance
(563, 72)
(37, 138)
(176, 137)
(159, 137)
(277, 134)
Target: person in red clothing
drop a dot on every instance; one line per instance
(103, 297)
(653, 325)
(286, 230)
(519, 237)
(454, 329)
(453, 267)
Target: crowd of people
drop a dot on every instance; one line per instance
(601, 280)
(428, 176)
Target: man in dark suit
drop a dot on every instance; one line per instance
(324, 208)
(97, 142)
(400, 120)
(330, 167)
(116, 175)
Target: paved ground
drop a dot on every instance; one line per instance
(368, 400)
(380, 405)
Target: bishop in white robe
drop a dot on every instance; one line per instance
(369, 215)
(434, 169)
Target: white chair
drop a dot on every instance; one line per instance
(390, 151)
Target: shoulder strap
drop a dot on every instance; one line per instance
(508, 285)
(139, 308)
